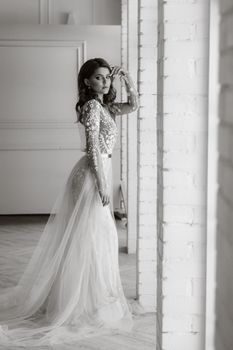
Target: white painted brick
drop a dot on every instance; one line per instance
(149, 219)
(198, 323)
(198, 287)
(146, 159)
(147, 300)
(178, 31)
(184, 232)
(179, 141)
(147, 39)
(183, 268)
(146, 148)
(199, 214)
(146, 28)
(177, 323)
(148, 101)
(147, 172)
(177, 286)
(201, 66)
(201, 30)
(148, 123)
(180, 67)
(186, 12)
(145, 288)
(177, 179)
(148, 3)
(183, 341)
(146, 88)
(178, 196)
(148, 51)
(199, 180)
(147, 266)
(185, 85)
(178, 214)
(147, 74)
(146, 207)
(180, 105)
(146, 136)
(184, 250)
(146, 277)
(181, 2)
(146, 254)
(148, 14)
(182, 160)
(146, 232)
(183, 304)
(189, 49)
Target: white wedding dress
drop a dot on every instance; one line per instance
(71, 287)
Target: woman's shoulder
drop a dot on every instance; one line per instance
(91, 104)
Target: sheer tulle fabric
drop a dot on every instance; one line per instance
(71, 288)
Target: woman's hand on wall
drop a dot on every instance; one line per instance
(120, 71)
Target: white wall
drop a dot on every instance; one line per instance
(56, 11)
(147, 156)
(39, 142)
(182, 169)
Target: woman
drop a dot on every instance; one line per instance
(71, 287)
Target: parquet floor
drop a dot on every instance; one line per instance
(21, 233)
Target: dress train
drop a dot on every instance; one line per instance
(71, 288)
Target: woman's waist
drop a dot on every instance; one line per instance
(103, 154)
(106, 155)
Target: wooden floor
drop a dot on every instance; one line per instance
(21, 232)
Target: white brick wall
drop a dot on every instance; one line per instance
(182, 147)
(124, 62)
(132, 130)
(224, 310)
(172, 158)
(147, 155)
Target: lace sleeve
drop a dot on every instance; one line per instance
(132, 104)
(91, 121)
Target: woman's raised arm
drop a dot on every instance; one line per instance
(133, 101)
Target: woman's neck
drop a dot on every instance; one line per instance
(100, 96)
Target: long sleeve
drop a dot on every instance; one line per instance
(132, 104)
(91, 121)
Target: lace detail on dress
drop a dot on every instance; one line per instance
(101, 132)
(78, 179)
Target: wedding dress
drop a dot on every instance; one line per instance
(71, 287)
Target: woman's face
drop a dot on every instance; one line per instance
(100, 81)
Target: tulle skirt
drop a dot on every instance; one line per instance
(71, 288)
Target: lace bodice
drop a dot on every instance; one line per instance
(101, 133)
(101, 130)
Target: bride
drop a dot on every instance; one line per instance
(71, 287)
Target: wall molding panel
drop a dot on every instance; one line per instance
(39, 137)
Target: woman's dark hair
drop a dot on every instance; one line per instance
(85, 93)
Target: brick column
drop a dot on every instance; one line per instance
(182, 149)
(124, 62)
(224, 293)
(147, 156)
(132, 129)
